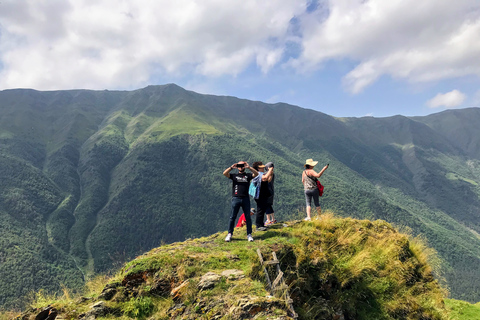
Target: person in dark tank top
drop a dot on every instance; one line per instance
(265, 196)
(270, 212)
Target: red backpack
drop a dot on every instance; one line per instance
(320, 188)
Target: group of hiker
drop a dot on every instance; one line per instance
(259, 183)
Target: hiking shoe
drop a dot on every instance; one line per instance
(249, 237)
(228, 238)
(268, 223)
(307, 219)
(262, 229)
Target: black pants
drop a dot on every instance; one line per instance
(262, 206)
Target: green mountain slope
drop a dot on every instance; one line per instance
(95, 177)
(461, 310)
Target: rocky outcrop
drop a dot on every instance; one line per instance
(209, 280)
(99, 309)
(296, 274)
(109, 291)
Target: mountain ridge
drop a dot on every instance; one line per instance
(119, 162)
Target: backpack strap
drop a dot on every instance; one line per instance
(314, 179)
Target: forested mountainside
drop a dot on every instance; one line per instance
(93, 178)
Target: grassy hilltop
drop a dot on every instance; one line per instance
(333, 268)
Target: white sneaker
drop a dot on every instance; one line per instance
(250, 238)
(307, 219)
(228, 238)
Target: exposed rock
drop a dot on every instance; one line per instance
(136, 279)
(43, 314)
(214, 308)
(26, 314)
(49, 313)
(52, 315)
(208, 280)
(107, 293)
(233, 257)
(99, 309)
(112, 285)
(248, 308)
(176, 310)
(82, 300)
(161, 287)
(233, 274)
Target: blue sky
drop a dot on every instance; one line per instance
(341, 57)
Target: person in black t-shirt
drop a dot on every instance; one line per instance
(240, 197)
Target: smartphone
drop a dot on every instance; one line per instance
(240, 165)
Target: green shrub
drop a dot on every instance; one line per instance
(138, 308)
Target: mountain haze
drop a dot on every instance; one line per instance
(93, 178)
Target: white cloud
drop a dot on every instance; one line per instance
(450, 99)
(418, 41)
(58, 44)
(89, 44)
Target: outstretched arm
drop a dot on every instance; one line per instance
(317, 175)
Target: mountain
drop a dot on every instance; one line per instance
(322, 269)
(92, 178)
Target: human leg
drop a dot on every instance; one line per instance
(236, 203)
(309, 214)
(270, 217)
(246, 208)
(272, 214)
(308, 200)
(268, 221)
(267, 214)
(261, 209)
(316, 200)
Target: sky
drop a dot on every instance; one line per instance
(346, 58)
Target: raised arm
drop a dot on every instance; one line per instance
(226, 173)
(254, 172)
(318, 175)
(268, 176)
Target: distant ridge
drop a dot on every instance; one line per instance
(92, 178)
